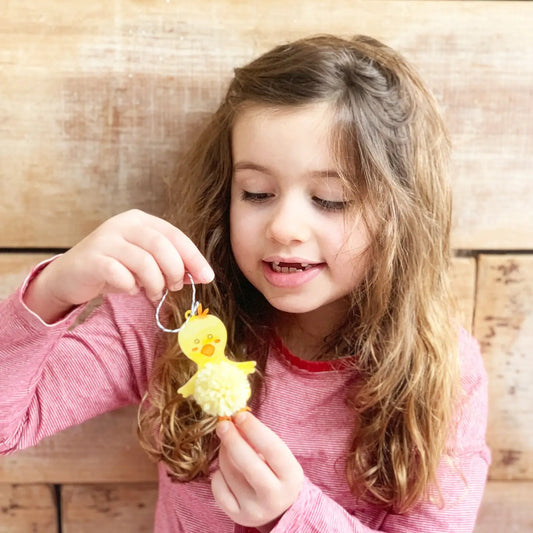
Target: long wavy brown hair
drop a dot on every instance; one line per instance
(392, 150)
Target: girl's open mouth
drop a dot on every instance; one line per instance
(290, 275)
(287, 268)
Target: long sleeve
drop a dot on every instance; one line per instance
(462, 490)
(322, 507)
(315, 512)
(56, 376)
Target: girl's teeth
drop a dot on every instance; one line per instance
(287, 270)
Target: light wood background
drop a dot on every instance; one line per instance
(97, 101)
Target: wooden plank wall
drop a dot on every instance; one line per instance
(97, 100)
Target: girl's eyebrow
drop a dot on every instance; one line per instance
(330, 173)
(248, 165)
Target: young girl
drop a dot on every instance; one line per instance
(316, 213)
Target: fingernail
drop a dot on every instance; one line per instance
(207, 275)
(222, 427)
(240, 417)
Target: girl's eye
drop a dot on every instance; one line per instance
(255, 196)
(330, 205)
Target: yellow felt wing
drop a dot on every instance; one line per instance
(188, 389)
(248, 367)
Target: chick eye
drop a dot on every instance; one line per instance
(210, 336)
(196, 341)
(330, 205)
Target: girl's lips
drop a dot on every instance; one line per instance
(290, 275)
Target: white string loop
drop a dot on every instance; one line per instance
(194, 308)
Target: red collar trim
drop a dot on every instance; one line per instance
(313, 366)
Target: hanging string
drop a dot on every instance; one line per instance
(194, 307)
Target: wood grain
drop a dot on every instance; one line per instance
(506, 507)
(97, 101)
(504, 326)
(463, 278)
(25, 508)
(102, 450)
(108, 508)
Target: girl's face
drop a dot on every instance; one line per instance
(294, 234)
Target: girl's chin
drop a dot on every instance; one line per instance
(293, 310)
(294, 306)
(306, 306)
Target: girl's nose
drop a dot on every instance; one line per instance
(288, 224)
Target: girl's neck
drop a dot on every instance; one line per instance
(304, 334)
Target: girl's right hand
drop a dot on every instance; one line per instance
(130, 251)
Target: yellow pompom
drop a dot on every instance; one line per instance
(221, 389)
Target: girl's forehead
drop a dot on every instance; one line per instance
(282, 145)
(287, 128)
(251, 112)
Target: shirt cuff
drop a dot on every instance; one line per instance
(66, 321)
(294, 512)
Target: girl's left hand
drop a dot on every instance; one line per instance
(258, 478)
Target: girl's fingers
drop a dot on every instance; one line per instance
(150, 242)
(116, 277)
(163, 252)
(194, 261)
(223, 494)
(263, 490)
(245, 458)
(141, 265)
(234, 478)
(266, 443)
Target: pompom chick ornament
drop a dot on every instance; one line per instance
(220, 386)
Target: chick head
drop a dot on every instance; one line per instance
(203, 338)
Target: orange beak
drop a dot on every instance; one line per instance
(208, 350)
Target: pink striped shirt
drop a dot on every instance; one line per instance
(52, 377)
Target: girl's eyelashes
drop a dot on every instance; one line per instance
(330, 205)
(321, 203)
(255, 196)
